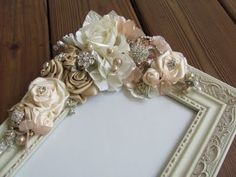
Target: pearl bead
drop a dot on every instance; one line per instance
(117, 61)
(89, 47)
(20, 140)
(114, 68)
(109, 51)
(31, 133)
(189, 75)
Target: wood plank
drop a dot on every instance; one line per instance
(201, 30)
(24, 47)
(204, 33)
(230, 8)
(68, 15)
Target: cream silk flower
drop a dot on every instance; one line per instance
(110, 73)
(151, 77)
(43, 102)
(171, 66)
(101, 33)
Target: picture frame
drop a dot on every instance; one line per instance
(202, 148)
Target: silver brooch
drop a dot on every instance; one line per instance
(140, 50)
(16, 117)
(85, 59)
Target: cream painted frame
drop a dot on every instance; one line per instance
(203, 147)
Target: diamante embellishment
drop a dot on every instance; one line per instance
(171, 64)
(85, 59)
(41, 90)
(17, 116)
(141, 89)
(139, 52)
(3, 145)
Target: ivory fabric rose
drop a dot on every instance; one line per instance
(110, 73)
(43, 102)
(101, 33)
(151, 77)
(171, 66)
(80, 85)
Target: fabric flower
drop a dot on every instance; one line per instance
(151, 77)
(160, 43)
(101, 33)
(69, 60)
(129, 29)
(80, 85)
(171, 66)
(110, 73)
(43, 102)
(53, 69)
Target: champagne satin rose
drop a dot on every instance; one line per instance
(101, 33)
(80, 85)
(69, 60)
(43, 102)
(52, 69)
(151, 77)
(172, 66)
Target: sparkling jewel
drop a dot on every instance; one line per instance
(189, 75)
(139, 52)
(71, 104)
(10, 135)
(3, 145)
(45, 65)
(141, 89)
(191, 81)
(58, 45)
(61, 57)
(85, 59)
(171, 64)
(17, 116)
(41, 90)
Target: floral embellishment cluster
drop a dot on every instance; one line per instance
(108, 53)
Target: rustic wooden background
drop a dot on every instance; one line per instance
(204, 30)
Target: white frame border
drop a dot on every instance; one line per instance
(203, 147)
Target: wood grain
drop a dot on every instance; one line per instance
(204, 32)
(230, 8)
(24, 47)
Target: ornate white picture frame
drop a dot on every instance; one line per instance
(203, 147)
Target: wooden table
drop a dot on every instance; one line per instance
(204, 30)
